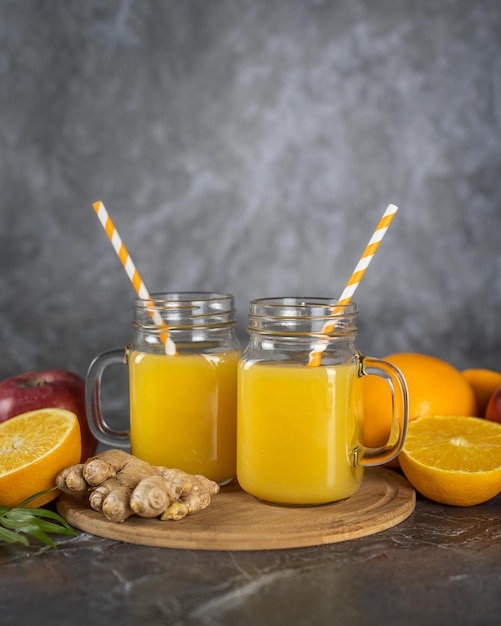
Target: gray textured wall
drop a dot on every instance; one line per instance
(250, 146)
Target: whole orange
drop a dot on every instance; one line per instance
(435, 388)
(483, 382)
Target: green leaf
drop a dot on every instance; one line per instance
(11, 537)
(50, 527)
(35, 531)
(17, 522)
(51, 515)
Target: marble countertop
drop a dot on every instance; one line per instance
(440, 566)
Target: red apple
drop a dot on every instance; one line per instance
(493, 410)
(40, 390)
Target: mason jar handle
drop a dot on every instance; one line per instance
(97, 424)
(400, 410)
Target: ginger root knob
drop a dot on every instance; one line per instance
(121, 485)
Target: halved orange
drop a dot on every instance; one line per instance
(34, 447)
(454, 460)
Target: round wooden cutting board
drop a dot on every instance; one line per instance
(237, 521)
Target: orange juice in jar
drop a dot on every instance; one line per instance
(298, 432)
(183, 405)
(182, 409)
(299, 428)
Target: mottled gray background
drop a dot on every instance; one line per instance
(250, 146)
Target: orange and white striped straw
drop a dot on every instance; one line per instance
(132, 273)
(356, 276)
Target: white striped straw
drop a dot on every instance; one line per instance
(132, 273)
(356, 276)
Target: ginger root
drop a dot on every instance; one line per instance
(122, 485)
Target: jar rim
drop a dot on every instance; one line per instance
(301, 306)
(161, 297)
(302, 316)
(185, 309)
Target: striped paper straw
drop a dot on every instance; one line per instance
(356, 276)
(132, 273)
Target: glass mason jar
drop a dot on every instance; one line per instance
(300, 423)
(182, 405)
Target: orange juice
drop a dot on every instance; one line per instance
(183, 411)
(297, 432)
